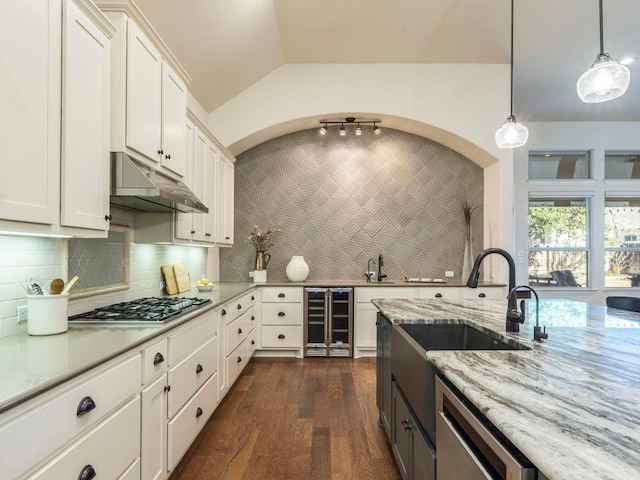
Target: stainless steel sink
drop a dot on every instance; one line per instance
(416, 375)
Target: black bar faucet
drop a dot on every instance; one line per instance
(513, 323)
(380, 265)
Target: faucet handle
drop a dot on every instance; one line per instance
(522, 311)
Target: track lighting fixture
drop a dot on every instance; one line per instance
(606, 79)
(348, 122)
(512, 134)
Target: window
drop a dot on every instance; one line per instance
(621, 244)
(559, 165)
(622, 166)
(559, 241)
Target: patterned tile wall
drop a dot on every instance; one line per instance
(343, 200)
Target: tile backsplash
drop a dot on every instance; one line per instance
(22, 258)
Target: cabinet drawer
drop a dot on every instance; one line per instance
(485, 292)
(252, 342)
(188, 337)
(154, 360)
(280, 336)
(366, 294)
(133, 472)
(282, 314)
(109, 449)
(235, 362)
(186, 377)
(281, 294)
(452, 293)
(238, 330)
(189, 421)
(57, 421)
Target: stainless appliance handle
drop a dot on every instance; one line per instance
(328, 322)
(449, 406)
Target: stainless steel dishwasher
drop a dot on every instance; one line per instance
(328, 322)
(469, 447)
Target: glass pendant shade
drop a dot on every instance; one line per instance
(605, 80)
(511, 134)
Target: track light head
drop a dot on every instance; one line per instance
(343, 131)
(376, 129)
(358, 130)
(323, 130)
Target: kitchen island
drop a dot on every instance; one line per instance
(571, 404)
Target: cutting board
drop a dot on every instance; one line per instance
(170, 284)
(183, 279)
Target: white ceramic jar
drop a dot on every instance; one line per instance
(297, 269)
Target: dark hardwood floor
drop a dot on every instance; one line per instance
(295, 419)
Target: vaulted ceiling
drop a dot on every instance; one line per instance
(228, 45)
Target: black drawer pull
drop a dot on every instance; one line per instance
(281, 336)
(281, 314)
(158, 359)
(227, 238)
(239, 307)
(85, 406)
(482, 295)
(160, 152)
(252, 318)
(87, 473)
(438, 295)
(168, 157)
(199, 368)
(108, 218)
(207, 234)
(252, 297)
(167, 388)
(253, 342)
(239, 331)
(224, 312)
(281, 295)
(199, 412)
(239, 359)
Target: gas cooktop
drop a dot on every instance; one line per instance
(144, 310)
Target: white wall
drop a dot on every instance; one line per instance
(460, 106)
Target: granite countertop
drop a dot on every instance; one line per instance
(572, 403)
(30, 365)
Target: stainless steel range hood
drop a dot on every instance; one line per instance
(139, 187)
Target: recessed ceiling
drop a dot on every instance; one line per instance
(228, 45)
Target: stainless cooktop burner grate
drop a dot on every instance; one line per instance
(144, 310)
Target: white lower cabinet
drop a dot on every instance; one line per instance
(188, 422)
(154, 430)
(107, 451)
(365, 329)
(282, 319)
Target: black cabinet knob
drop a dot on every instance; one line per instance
(281, 314)
(167, 388)
(224, 312)
(438, 295)
(482, 295)
(160, 152)
(239, 359)
(199, 368)
(87, 473)
(252, 297)
(227, 238)
(239, 331)
(108, 218)
(192, 232)
(252, 318)
(207, 234)
(281, 295)
(85, 406)
(158, 359)
(239, 307)
(168, 157)
(281, 336)
(199, 412)
(253, 342)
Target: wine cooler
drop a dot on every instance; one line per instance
(328, 322)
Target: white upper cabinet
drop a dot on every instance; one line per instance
(85, 122)
(55, 118)
(148, 92)
(144, 93)
(30, 39)
(226, 173)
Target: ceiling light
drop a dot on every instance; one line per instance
(606, 79)
(511, 134)
(357, 123)
(546, 155)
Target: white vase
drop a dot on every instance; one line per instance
(297, 269)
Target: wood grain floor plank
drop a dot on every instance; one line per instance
(290, 419)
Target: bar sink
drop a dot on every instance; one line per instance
(415, 375)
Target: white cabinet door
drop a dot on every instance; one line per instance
(30, 36)
(199, 181)
(174, 113)
(211, 218)
(85, 122)
(184, 221)
(154, 430)
(144, 93)
(225, 201)
(365, 326)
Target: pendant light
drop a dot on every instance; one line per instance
(606, 79)
(511, 134)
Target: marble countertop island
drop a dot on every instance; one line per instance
(572, 403)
